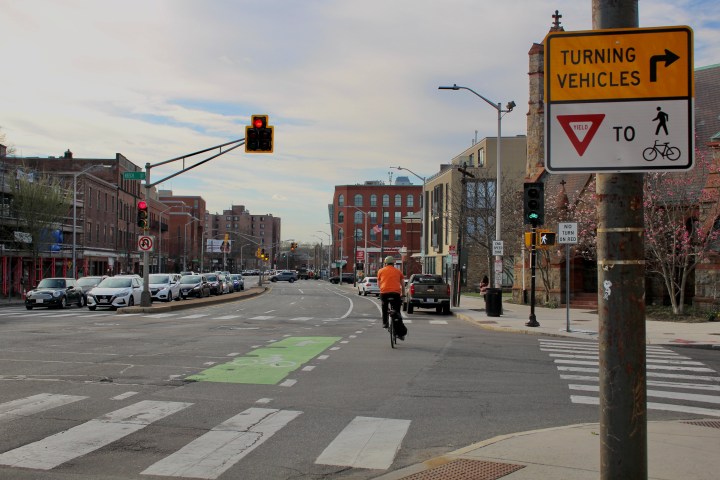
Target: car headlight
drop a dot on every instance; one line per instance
(124, 293)
(57, 293)
(196, 287)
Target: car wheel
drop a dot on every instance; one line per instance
(410, 308)
(446, 309)
(169, 297)
(292, 280)
(92, 309)
(28, 307)
(63, 303)
(131, 301)
(404, 307)
(81, 302)
(242, 288)
(439, 309)
(365, 293)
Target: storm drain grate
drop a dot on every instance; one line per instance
(464, 469)
(705, 423)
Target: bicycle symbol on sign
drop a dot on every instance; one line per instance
(662, 149)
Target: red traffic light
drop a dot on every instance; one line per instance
(142, 205)
(259, 122)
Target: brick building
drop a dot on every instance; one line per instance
(382, 217)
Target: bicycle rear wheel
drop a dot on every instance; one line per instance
(391, 328)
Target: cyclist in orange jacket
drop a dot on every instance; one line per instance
(390, 281)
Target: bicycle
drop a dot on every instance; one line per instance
(671, 153)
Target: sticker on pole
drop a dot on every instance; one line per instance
(146, 243)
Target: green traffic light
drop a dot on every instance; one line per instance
(533, 216)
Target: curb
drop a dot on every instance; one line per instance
(184, 304)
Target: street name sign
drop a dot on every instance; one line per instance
(619, 100)
(134, 175)
(567, 233)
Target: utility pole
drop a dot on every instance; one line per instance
(462, 224)
(621, 300)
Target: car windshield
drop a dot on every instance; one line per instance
(190, 279)
(372, 280)
(159, 278)
(235, 277)
(427, 279)
(88, 281)
(51, 283)
(116, 282)
(211, 278)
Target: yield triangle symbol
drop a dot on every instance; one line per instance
(581, 129)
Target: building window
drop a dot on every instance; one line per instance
(359, 234)
(373, 235)
(398, 217)
(481, 157)
(358, 217)
(386, 217)
(398, 234)
(358, 200)
(89, 197)
(410, 201)
(373, 217)
(89, 232)
(341, 200)
(340, 234)
(471, 158)
(373, 200)
(386, 234)
(386, 200)
(398, 200)
(341, 217)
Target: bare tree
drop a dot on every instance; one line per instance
(39, 203)
(472, 213)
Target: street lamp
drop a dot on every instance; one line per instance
(422, 212)
(74, 229)
(194, 219)
(508, 108)
(329, 250)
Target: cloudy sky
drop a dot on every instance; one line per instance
(350, 86)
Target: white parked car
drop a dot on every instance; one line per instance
(116, 292)
(368, 286)
(165, 286)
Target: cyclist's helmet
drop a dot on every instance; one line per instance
(389, 260)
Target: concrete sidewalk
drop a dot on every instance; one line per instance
(676, 449)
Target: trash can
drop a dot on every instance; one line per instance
(493, 302)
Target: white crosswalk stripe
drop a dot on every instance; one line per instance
(85, 438)
(366, 442)
(34, 404)
(222, 447)
(671, 377)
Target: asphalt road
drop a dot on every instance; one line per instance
(298, 383)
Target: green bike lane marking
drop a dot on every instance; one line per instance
(267, 365)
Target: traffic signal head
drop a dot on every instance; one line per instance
(534, 203)
(142, 215)
(259, 136)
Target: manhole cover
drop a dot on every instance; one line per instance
(464, 469)
(705, 423)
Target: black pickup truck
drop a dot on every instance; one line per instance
(427, 291)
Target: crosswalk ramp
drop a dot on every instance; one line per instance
(365, 442)
(675, 383)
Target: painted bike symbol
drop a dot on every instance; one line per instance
(662, 149)
(272, 361)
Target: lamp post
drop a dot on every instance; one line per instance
(508, 108)
(422, 213)
(194, 219)
(74, 228)
(329, 250)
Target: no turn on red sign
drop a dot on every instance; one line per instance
(619, 100)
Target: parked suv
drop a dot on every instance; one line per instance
(54, 292)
